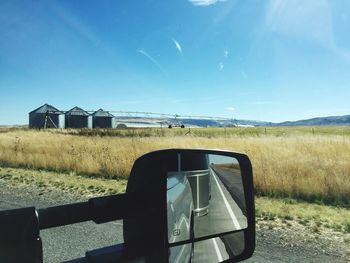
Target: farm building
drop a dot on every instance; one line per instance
(102, 119)
(46, 116)
(78, 118)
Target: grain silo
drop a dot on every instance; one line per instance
(46, 116)
(102, 119)
(77, 118)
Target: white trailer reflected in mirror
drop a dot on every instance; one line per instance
(205, 196)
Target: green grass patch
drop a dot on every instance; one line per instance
(75, 184)
(313, 216)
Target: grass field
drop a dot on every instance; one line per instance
(305, 163)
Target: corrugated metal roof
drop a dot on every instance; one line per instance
(46, 108)
(102, 113)
(77, 111)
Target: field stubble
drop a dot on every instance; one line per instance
(315, 168)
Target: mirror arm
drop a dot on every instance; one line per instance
(108, 208)
(99, 209)
(63, 215)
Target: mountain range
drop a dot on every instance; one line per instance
(319, 121)
(331, 120)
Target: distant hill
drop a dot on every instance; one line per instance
(214, 123)
(320, 121)
(221, 123)
(14, 126)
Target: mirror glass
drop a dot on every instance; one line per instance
(212, 250)
(205, 196)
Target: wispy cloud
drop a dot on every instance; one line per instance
(226, 53)
(205, 2)
(177, 45)
(221, 66)
(230, 108)
(155, 62)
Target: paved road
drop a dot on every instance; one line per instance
(212, 250)
(232, 180)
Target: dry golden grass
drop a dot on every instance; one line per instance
(312, 168)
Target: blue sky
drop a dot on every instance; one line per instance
(267, 60)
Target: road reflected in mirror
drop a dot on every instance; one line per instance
(212, 250)
(205, 196)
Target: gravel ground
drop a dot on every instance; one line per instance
(297, 244)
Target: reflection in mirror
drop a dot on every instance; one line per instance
(205, 196)
(212, 250)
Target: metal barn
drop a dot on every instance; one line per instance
(46, 116)
(78, 118)
(102, 119)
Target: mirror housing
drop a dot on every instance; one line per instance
(148, 182)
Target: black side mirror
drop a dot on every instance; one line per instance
(198, 206)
